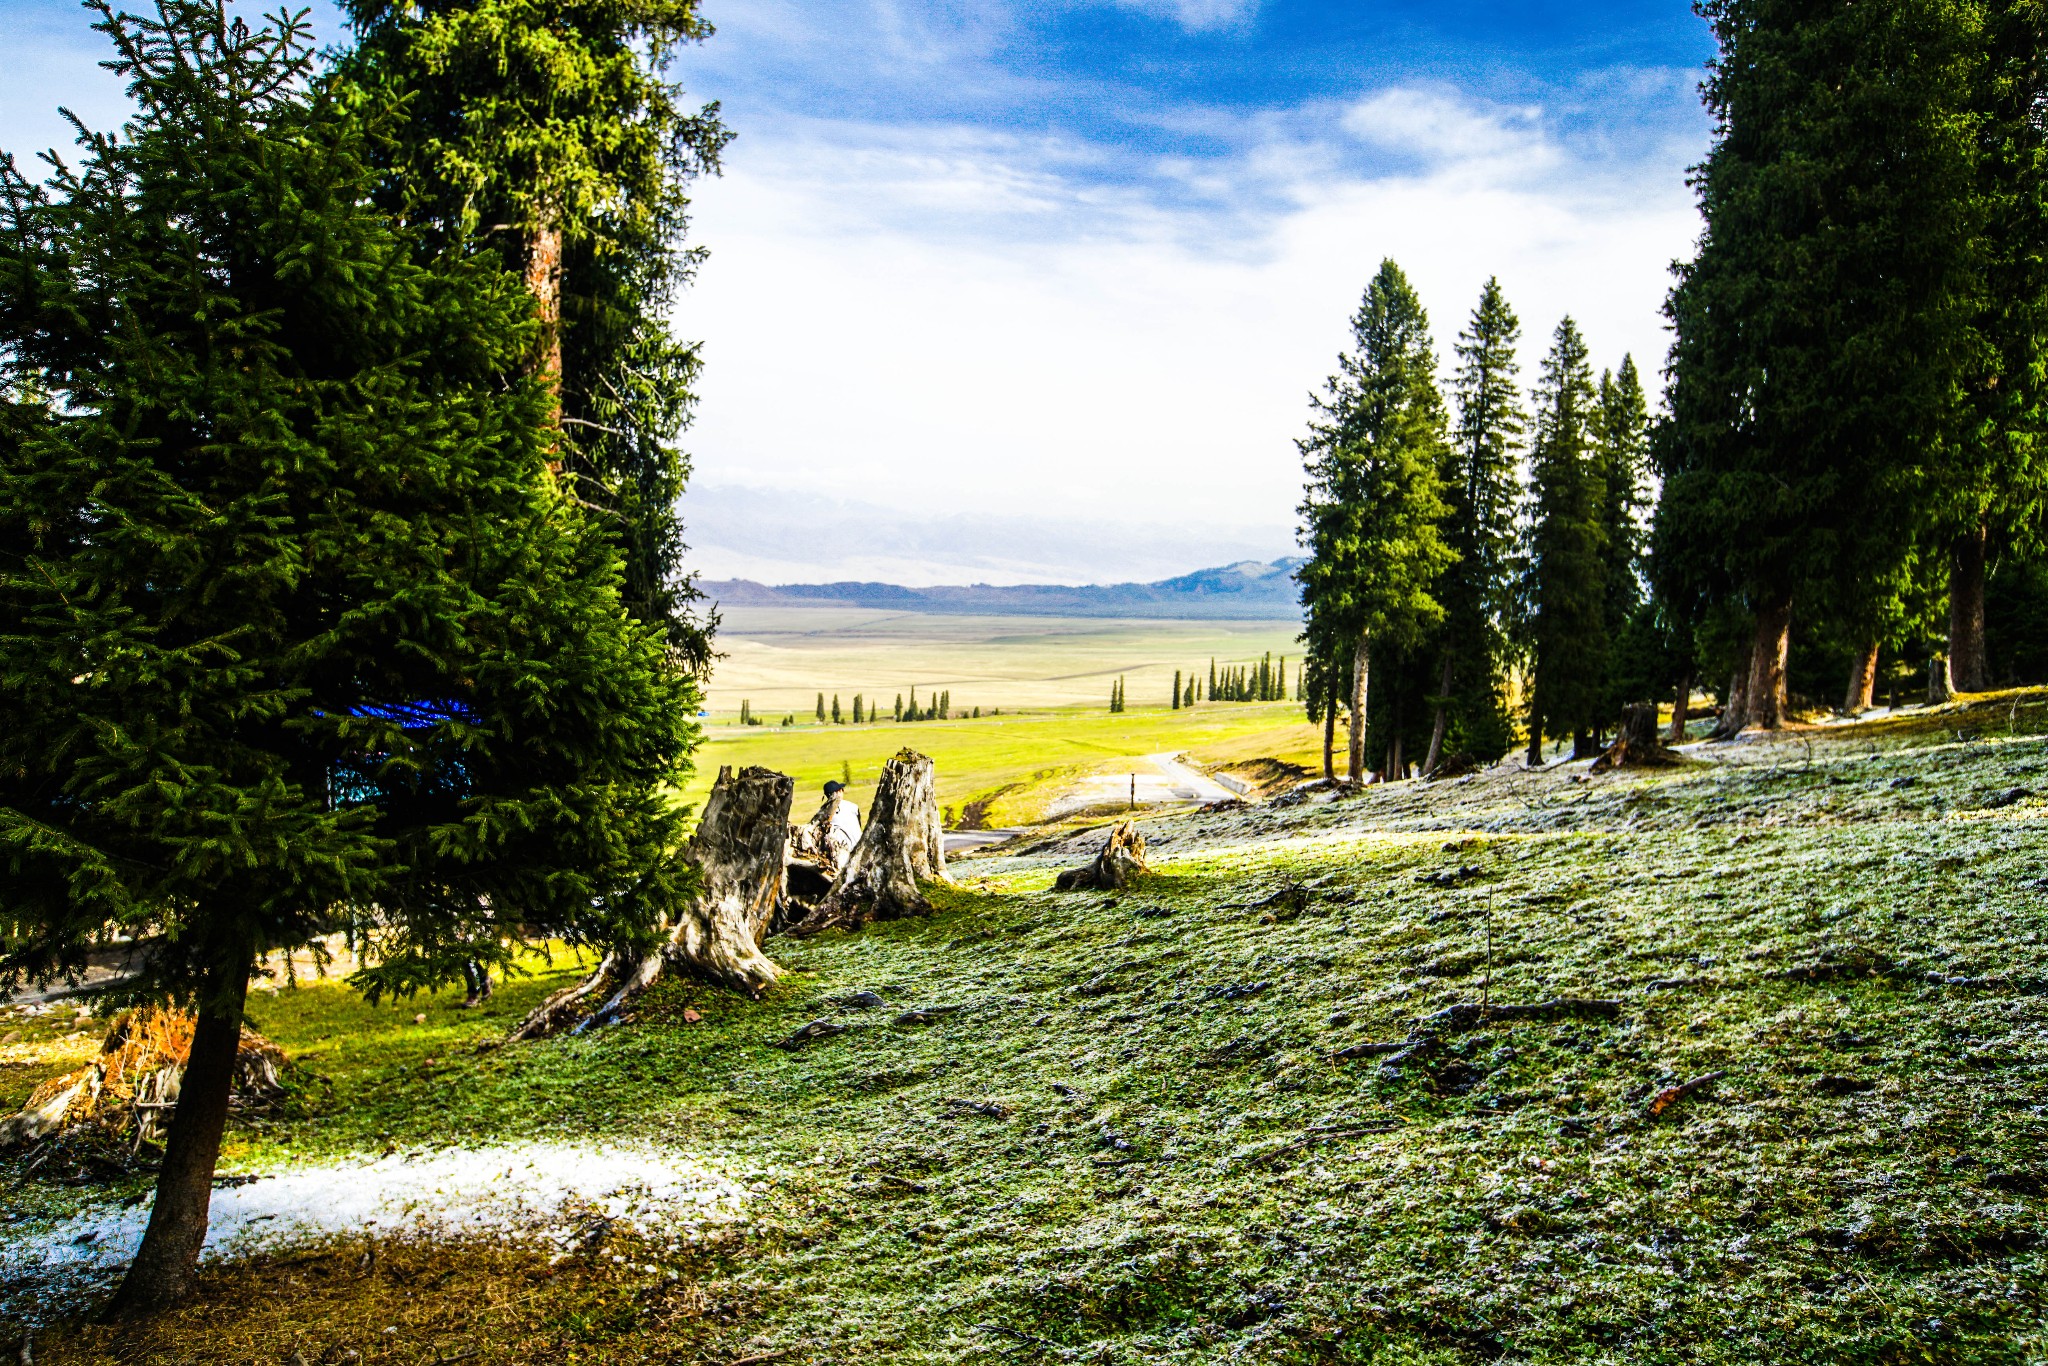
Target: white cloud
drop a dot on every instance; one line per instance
(1196, 14)
(953, 323)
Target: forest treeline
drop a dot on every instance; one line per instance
(1843, 492)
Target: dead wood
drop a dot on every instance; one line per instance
(1671, 1095)
(738, 852)
(1121, 862)
(1637, 744)
(136, 1078)
(810, 1034)
(901, 846)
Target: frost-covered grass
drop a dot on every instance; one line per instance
(1130, 1140)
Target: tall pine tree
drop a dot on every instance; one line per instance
(1564, 553)
(1481, 486)
(1373, 504)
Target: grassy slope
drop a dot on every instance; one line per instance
(1851, 932)
(1015, 760)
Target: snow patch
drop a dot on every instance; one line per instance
(551, 1192)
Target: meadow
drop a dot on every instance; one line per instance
(1049, 676)
(1733, 1062)
(781, 658)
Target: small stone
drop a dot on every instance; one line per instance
(421, 1018)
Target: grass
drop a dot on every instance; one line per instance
(1011, 764)
(781, 658)
(1135, 1141)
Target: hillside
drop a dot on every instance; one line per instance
(1247, 591)
(1258, 1109)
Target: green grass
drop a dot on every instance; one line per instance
(781, 658)
(1847, 926)
(1013, 763)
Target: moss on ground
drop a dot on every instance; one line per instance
(1127, 1136)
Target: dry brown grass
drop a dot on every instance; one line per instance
(423, 1305)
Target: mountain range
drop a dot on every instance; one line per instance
(1249, 590)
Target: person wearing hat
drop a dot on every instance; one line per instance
(837, 824)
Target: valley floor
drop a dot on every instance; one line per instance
(1290, 1099)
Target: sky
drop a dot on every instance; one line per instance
(1037, 292)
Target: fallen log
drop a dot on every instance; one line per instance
(738, 852)
(1121, 862)
(901, 846)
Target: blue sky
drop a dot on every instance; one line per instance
(1037, 291)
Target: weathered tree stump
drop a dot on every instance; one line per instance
(1121, 862)
(1638, 745)
(901, 846)
(739, 852)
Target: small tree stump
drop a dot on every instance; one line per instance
(901, 846)
(738, 852)
(1121, 862)
(1638, 745)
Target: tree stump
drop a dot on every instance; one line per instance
(1121, 862)
(739, 852)
(1638, 745)
(901, 846)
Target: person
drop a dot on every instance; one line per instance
(837, 825)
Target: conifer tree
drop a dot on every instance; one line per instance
(946, 704)
(1564, 556)
(295, 623)
(1624, 446)
(1176, 689)
(1210, 695)
(546, 133)
(1373, 504)
(836, 716)
(746, 712)
(821, 707)
(857, 715)
(1471, 649)
(899, 705)
(1824, 345)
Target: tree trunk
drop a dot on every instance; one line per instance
(1734, 703)
(544, 283)
(1443, 711)
(1121, 862)
(1330, 739)
(901, 846)
(1969, 670)
(1535, 758)
(739, 852)
(1862, 681)
(1636, 742)
(166, 1266)
(1586, 745)
(1767, 700)
(1361, 682)
(1681, 709)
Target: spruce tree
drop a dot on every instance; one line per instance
(836, 716)
(857, 714)
(1210, 695)
(1471, 649)
(899, 706)
(821, 707)
(296, 625)
(1176, 689)
(1373, 506)
(1624, 445)
(1824, 333)
(946, 705)
(1564, 556)
(547, 134)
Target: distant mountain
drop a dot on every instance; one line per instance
(1246, 591)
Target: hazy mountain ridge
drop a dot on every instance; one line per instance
(1248, 590)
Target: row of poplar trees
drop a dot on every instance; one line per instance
(1433, 570)
(340, 569)
(1852, 459)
